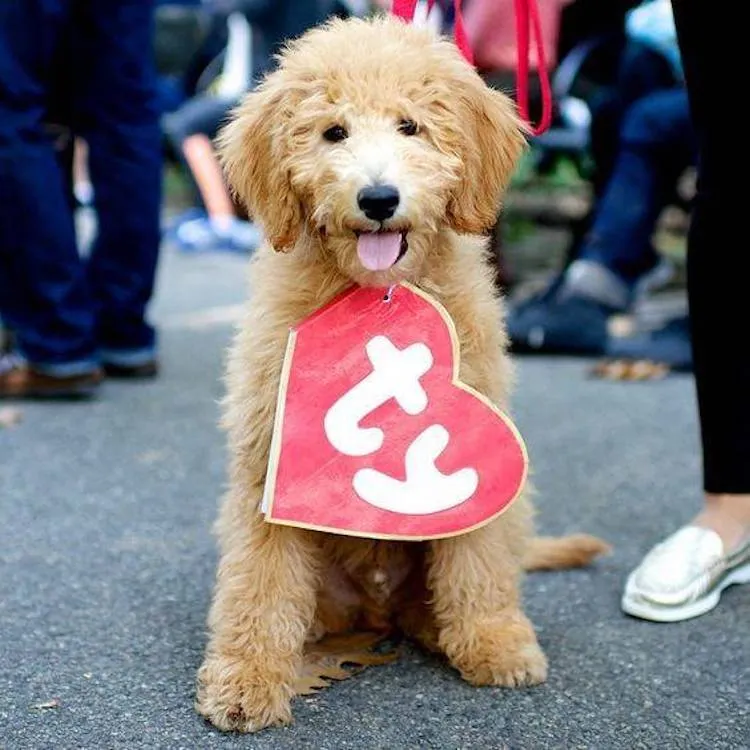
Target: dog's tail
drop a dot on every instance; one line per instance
(559, 552)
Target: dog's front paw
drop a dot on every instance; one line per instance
(236, 696)
(504, 653)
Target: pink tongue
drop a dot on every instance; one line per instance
(378, 250)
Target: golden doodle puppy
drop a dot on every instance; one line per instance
(373, 154)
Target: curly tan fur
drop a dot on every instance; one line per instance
(278, 587)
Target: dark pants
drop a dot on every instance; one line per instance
(657, 144)
(711, 41)
(204, 114)
(640, 72)
(87, 64)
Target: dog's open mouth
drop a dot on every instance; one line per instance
(379, 251)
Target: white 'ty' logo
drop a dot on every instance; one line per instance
(396, 374)
(426, 490)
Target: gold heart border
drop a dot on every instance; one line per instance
(278, 423)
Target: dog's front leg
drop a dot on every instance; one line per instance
(474, 579)
(263, 607)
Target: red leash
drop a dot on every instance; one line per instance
(527, 22)
(527, 13)
(405, 9)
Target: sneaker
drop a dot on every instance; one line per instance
(198, 233)
(240, 236)
(670, 346)
(684, 576)
(572, 314)
(549, 325)
(20, 380)
(192, 233)
(660, 276)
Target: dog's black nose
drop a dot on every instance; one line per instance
(378, 202)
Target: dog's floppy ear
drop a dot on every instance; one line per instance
(493, 140)
(253, 151)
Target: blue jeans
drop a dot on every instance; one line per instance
(657, 144)
(87, 65)
(640, 72)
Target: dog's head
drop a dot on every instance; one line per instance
(373, 135)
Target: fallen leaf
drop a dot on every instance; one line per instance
(339, 657)
(621, 369)
(10, 416)
(54, 703)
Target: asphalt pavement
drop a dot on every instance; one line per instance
(107, 563)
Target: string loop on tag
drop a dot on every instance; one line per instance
(388, 296)
(528, 22)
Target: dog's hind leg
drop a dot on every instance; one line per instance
(474, 579)
(263, 608)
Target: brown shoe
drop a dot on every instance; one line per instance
(145, 370)
(18, 379)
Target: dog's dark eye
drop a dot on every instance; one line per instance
(407, 127)
(335, 133)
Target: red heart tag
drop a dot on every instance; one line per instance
(375, 436)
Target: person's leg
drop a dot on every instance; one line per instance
(204, 165)
(641, 71)
(716, 286)
(656, 146)
(202, 115)
(191, 131)
(119, 119)
(685, 575)
(44, 297)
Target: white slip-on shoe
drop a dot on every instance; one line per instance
(684, 576)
